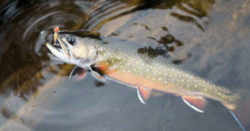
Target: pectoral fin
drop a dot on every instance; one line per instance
(98, 71)
(195, 102)
(98, 76)
(78, 73)
(143, 94)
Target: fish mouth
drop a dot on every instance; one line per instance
(61, 48)
(70, 49)
(58, 52)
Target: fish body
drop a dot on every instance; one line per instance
(120, 61)
(127, 65)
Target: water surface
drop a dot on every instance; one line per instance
(206, 37)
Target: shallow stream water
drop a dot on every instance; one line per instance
(209, 38)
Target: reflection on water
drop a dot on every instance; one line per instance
(202, 36)
(194, 10)
(23, 56)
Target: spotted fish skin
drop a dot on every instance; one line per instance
(123, 57)
(125, 64)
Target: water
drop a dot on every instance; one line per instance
(208, 38)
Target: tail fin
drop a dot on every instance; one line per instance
(241, 113)
(237, 121)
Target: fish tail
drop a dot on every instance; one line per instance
(239, 123)
(241, 111)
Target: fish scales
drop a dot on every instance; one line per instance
(123, 56)
(124, 62)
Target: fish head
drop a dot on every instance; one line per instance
(73, 49)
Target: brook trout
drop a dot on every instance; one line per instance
(120, 61)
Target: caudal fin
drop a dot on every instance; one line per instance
(237, 121)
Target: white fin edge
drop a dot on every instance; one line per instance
(237, 121)
(140, 97)
(98, 77)
(192, 106)
(71, 73)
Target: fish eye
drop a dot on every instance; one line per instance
(57, 45)
(71, 40)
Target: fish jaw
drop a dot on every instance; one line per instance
(57, 52)
(61, 55)
(70, 54)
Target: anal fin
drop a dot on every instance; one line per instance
(143, 94)
(195, 102)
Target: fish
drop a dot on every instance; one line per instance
(119, 60)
